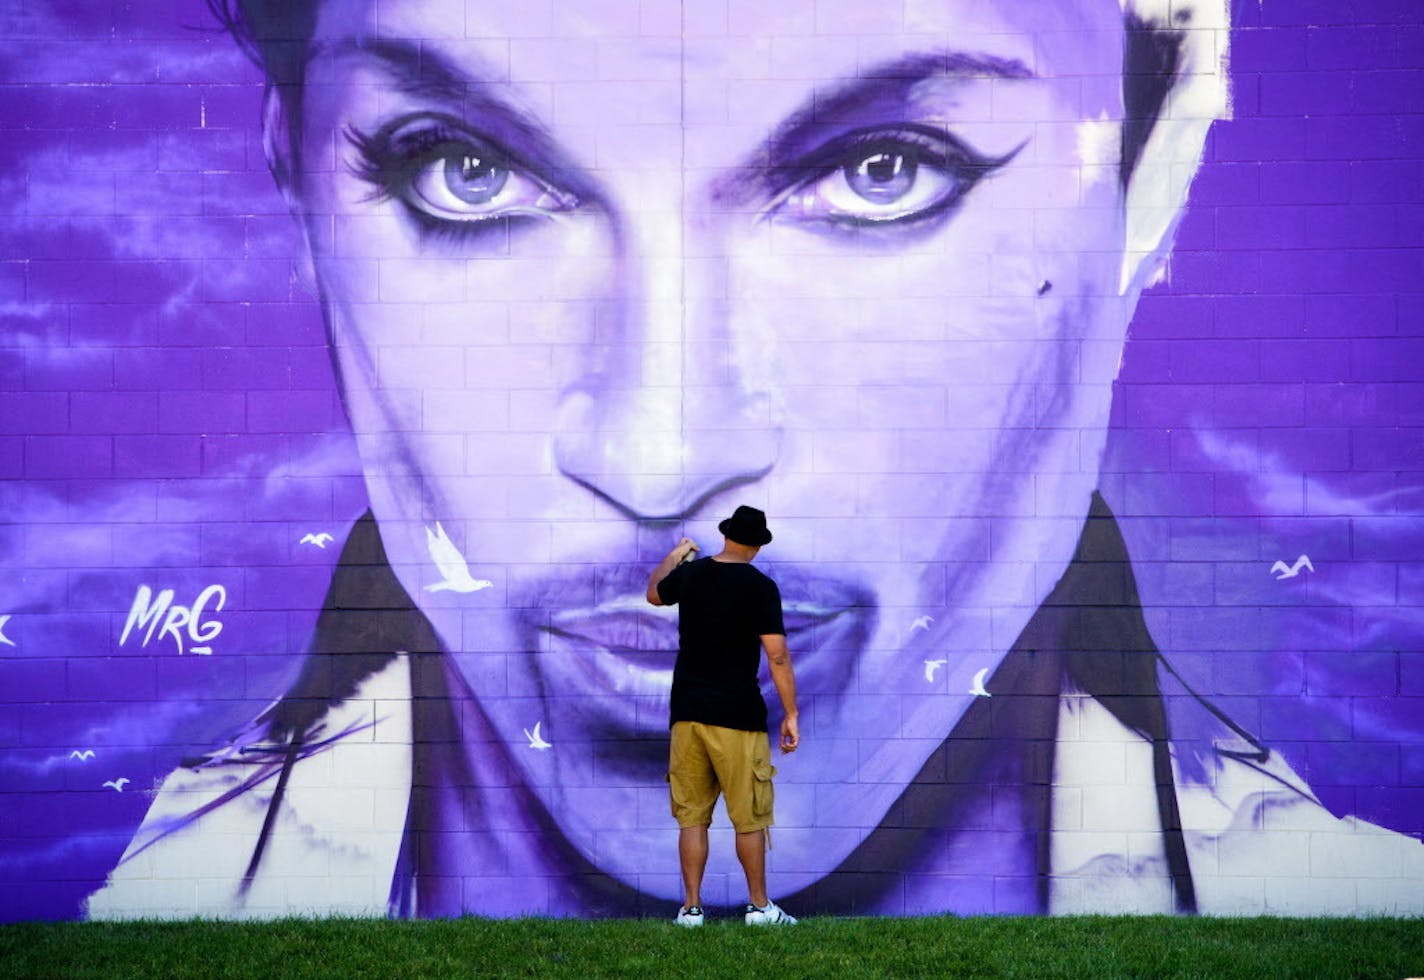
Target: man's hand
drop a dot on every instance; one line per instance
(779, 659)
(790, 734)
(682, 551)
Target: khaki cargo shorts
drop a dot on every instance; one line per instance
(707, 760)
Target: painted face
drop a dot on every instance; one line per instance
(594, 280)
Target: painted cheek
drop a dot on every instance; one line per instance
(565, 258)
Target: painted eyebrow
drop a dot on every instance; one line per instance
(857, 103)
(416, 68)
(422, 72)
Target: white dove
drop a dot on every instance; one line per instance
(454, 572)
(923, 623)
(1291, 571)
(82, 756)
(977, 688)
(931, 666)
(117, 785)
(3, 638)
(320, 540)
(536, 741)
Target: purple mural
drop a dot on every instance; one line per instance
(360, 361)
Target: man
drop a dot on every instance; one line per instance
(719, 742)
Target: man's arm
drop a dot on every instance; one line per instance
(674, 558)
(779, 658)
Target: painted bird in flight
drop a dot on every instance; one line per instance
(1283, 571)
(536, 741)
(978, 689)
(454, 571)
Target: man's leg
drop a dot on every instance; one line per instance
(692, 785)
(692, 850)
(751, 851)
(747, 787)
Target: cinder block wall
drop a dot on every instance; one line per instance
(1095, 489)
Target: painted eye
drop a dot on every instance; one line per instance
(475, 179)
(883, 177)
(464, 182)
(447, 176)
(879, 184)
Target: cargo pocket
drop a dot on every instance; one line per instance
(762, 794)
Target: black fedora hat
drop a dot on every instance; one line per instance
(747, 526)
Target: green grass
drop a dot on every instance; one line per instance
(973, 947)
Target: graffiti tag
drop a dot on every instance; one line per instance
(160, 616)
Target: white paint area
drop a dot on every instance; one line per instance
(1099, 149)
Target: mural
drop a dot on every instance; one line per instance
(360, 360)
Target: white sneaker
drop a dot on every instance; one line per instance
(689, 917)
(772, 915)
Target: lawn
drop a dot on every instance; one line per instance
(970, 947)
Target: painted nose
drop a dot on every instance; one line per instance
(661, 453)
(664, 419)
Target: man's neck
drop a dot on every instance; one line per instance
(734, 553)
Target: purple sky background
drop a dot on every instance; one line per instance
(154, 429)
(168, 413)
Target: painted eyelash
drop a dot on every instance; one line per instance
(374, 164)
(388, 164)
(941, 145)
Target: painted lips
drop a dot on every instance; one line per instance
(621, 651)
(631, 627)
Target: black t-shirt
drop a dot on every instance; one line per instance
(726, 607)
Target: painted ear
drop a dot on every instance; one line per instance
(277, 137)
(1166, 160)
